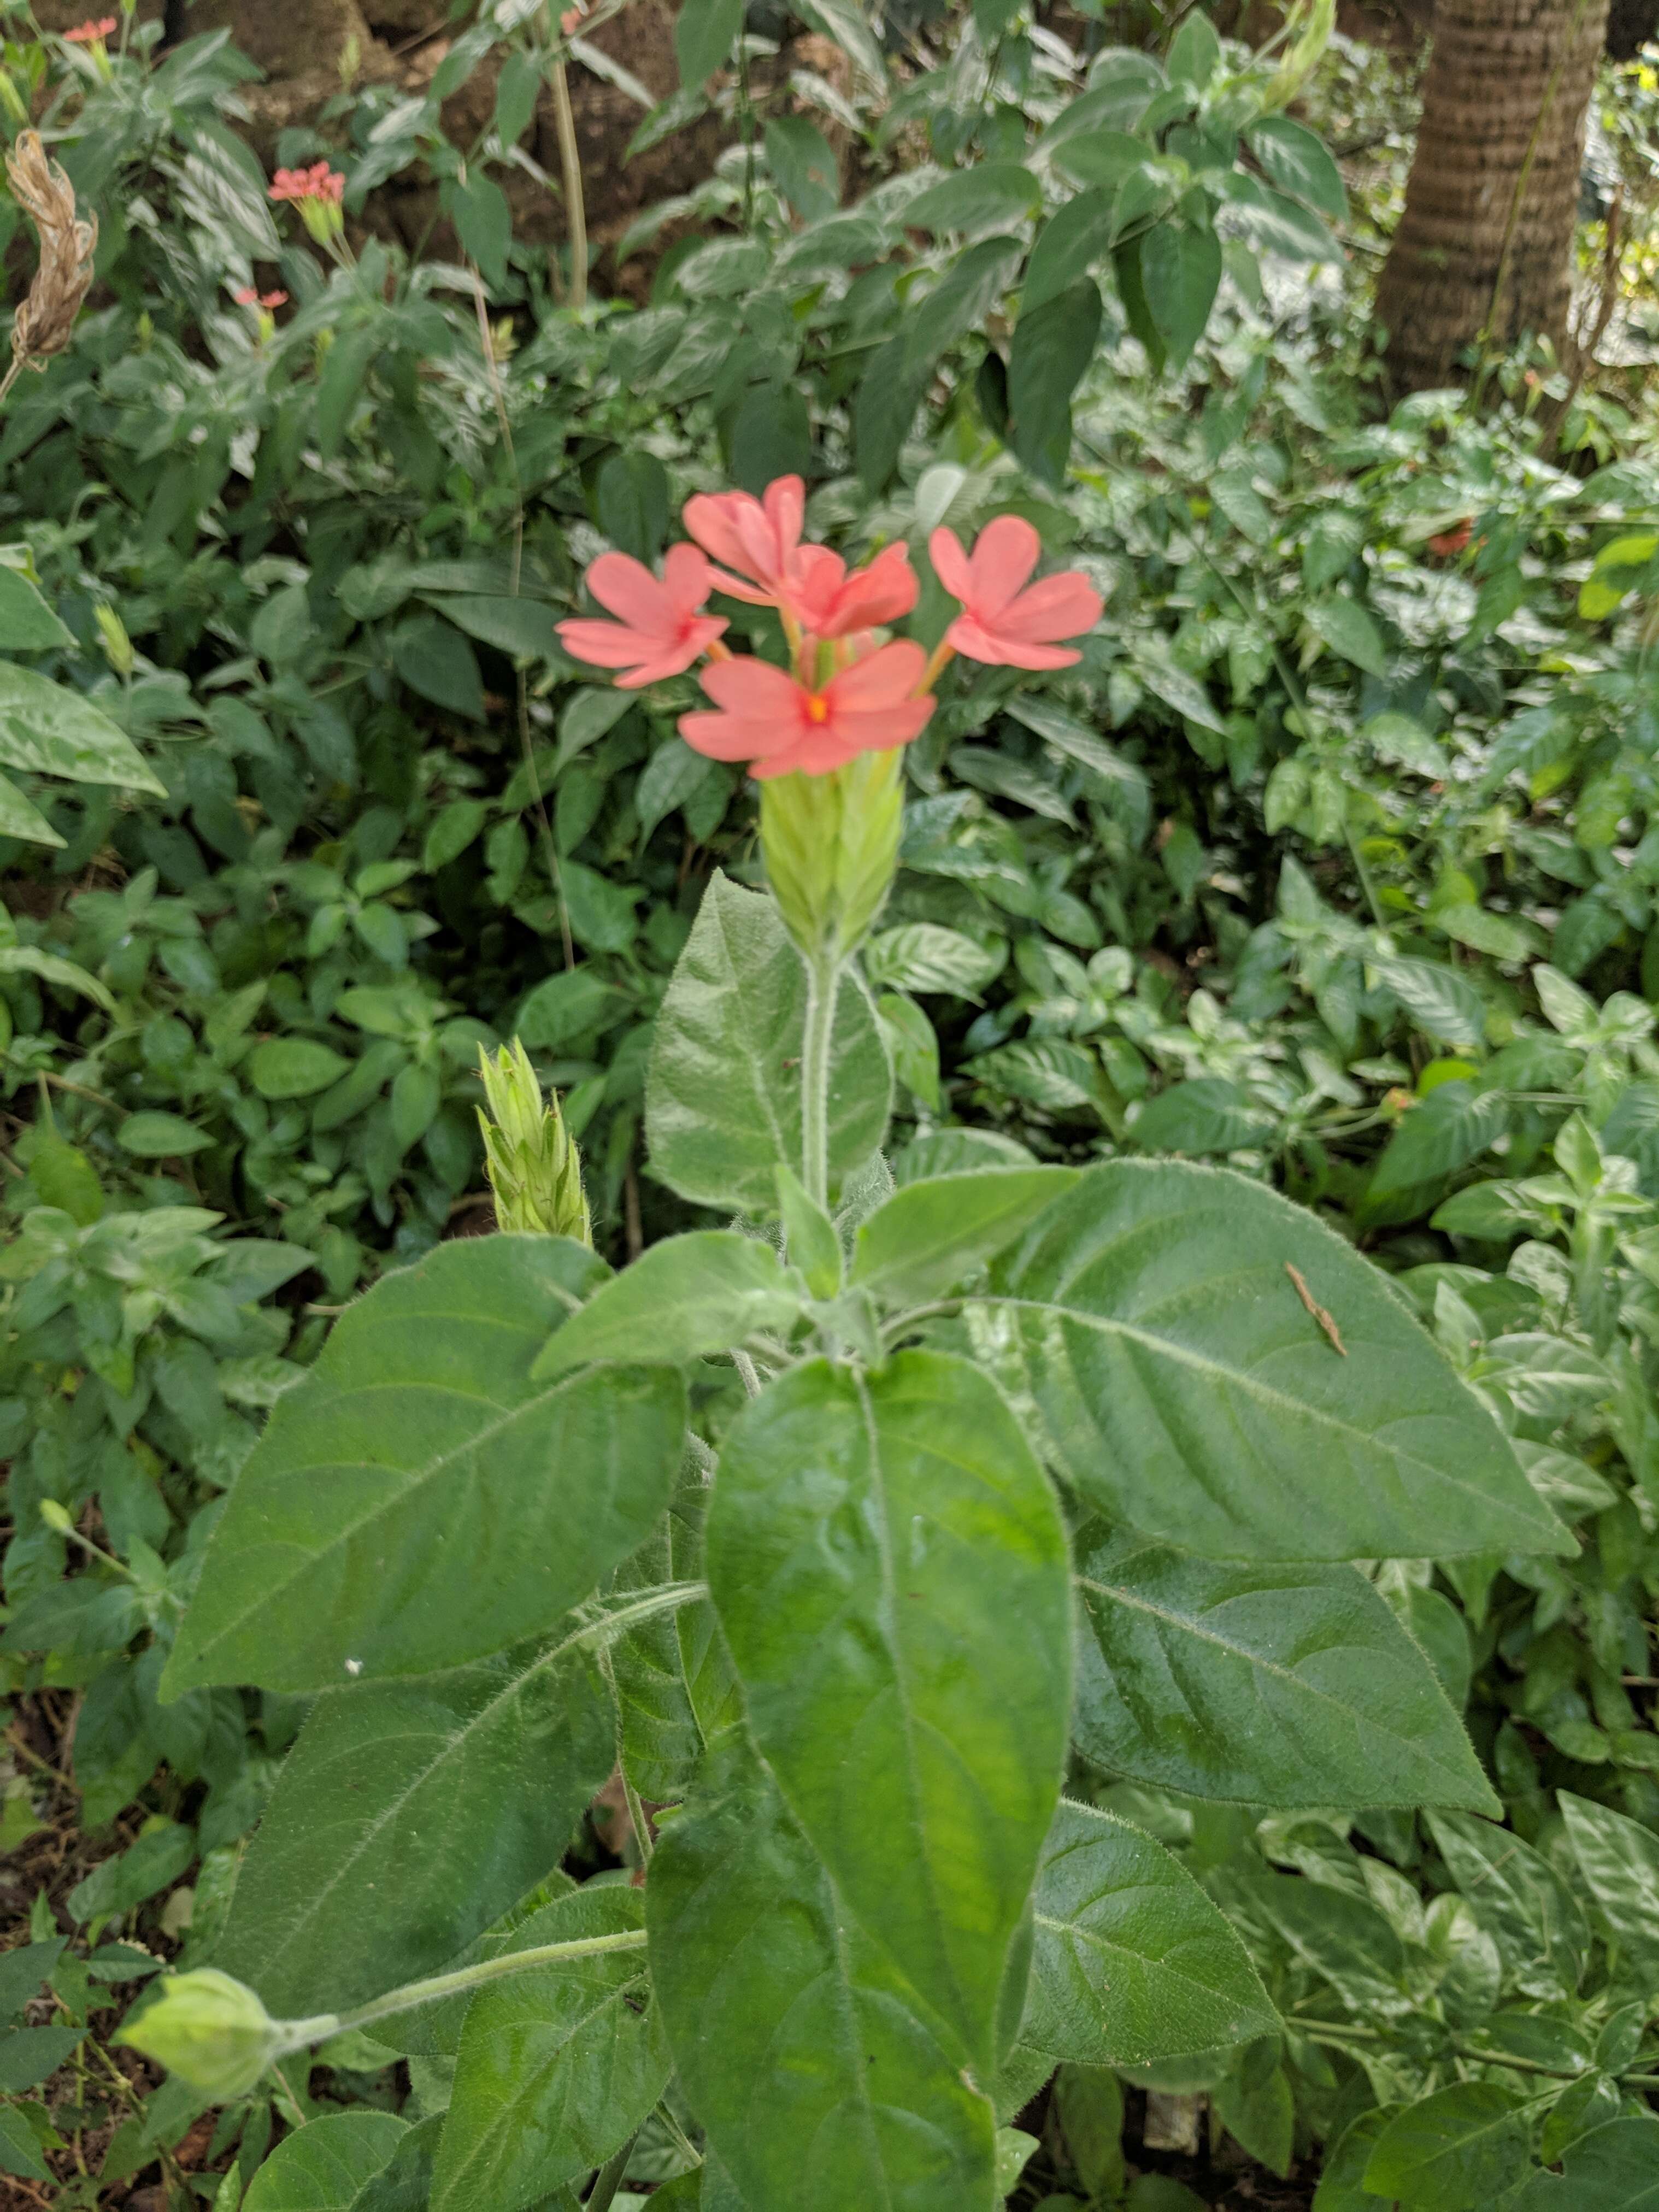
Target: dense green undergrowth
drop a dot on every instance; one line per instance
(1335, 860)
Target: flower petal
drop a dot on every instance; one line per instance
(735, 737)
(1005, 554)
(975, 641)
(746, 686)
(879, 732)
(1067, 605)
(712, 519)
(628, 588)
(604, 644)
(884, 679)
(950, 562)
(687, 578)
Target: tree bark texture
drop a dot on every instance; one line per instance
(1483, 253)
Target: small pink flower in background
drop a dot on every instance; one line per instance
(660, 632)
(91, 33)
(832, 603)
(1002, 621)
(247, 297)
(571, 21)
(756, 538)
(319, 182)
(782, 728)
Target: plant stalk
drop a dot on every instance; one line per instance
(823, 988)
(603, 2192)
(570, 166)
(325, 2025)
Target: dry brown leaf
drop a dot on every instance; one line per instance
(44, 322)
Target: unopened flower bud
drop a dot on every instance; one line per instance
(118, 646)
(11, 100)
(831, 845)
(534, 1169)
(209, 2030)
(56, 1516)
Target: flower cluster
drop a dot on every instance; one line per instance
(91, 33)
(248, 297)
(848, 690)
(319, 182)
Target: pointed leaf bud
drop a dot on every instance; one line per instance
(831, 845)
(534, 1168)
(209, 2030)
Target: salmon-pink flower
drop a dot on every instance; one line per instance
(1000, 622)
(660, 632)
(91, 34)
(782, 728)
(247, 297)
(319, 182)
(832, 603)
(754, 537)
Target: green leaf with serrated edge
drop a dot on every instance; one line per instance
(1614, 2168)
(444, 1799)
(1152, 1321)
(48, 728)
(1462, 2147)
(1260, 1684)
(1132, 1961)
(404, 2184)
(1619, 1861)
(1520, 1899)
(685, 1298)
(821, 2078)
(888, 1563)
(723, 1092)
(417, 1501)
(321, 2166)
(558, 2065)
(935, 1234)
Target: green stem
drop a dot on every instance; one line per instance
(570, 164)
(823, 985)
(610, 2179)
(325, 2025)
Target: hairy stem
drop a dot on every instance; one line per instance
(822, 983)
(320, 2029)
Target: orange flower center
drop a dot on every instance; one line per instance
(818, 707)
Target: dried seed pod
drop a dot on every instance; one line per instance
(43, 322)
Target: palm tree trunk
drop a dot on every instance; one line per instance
(1483, 253)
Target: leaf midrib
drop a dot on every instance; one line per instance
(417, 1481)
(1187, 1626)
(1278, 1401)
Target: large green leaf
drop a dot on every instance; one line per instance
(1131, 1962)
(684, 1298)
(407, 1818)
(888, 1566)
(1619, 1861)
(558, 2064)
(1614, 2168)
(1460, 2148)
(1153, 1318)
(821, 2080)
(47, 727)
(1260, 1684)
(936, 1233)
(723, 1093)
(321, 2166)
(417, 1501)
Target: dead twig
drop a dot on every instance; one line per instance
(1315, 1309)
